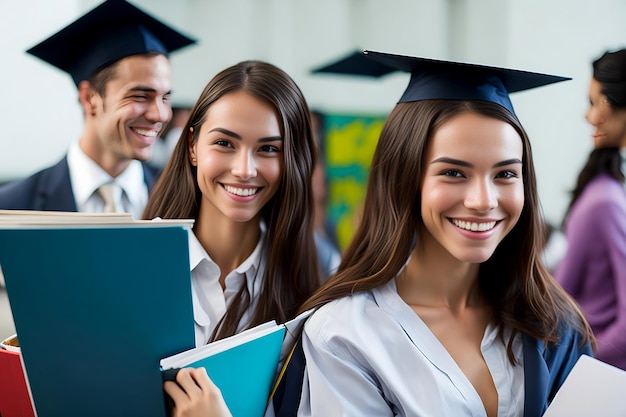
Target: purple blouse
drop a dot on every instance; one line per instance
(593, 270)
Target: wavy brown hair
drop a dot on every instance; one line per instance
(520, 291)
(292, 272)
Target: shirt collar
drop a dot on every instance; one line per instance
(86, 176)
(197, 253)
(209, 301)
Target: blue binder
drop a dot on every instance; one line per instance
(95, 309)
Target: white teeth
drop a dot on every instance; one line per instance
(243, 192)
(145, 132)
(474, 227)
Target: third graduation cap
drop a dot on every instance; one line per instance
(447, 80)
(113, 30)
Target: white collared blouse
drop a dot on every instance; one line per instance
(209, 301)
(369, 354)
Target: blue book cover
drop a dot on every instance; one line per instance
(95, 309)
(243, 366)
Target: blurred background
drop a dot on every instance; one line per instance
(40, 113)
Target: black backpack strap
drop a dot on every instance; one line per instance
(286, 394)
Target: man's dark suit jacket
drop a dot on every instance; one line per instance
(50, 189)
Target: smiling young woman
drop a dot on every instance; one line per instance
(441, 305)
(472, 188)
(242, 168)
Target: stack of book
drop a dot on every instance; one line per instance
(103, 312)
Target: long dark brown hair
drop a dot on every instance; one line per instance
(292, 271)
(610, 71)
(520, 291)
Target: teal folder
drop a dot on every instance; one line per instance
(243, 367)
(95, 309)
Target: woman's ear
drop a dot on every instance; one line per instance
(192, 147)
(88, 98)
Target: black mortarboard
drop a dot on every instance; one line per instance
(356, 63)
(436, 79)
(113, 30)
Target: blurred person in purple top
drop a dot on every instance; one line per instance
(593, 270)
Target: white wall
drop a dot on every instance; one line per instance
(562, 36)
(41, 116)
(39, 110)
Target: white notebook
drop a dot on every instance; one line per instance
(593, 388)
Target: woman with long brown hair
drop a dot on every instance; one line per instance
(441, 305)
(242, 169)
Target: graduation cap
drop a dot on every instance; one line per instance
(113, 30)
(447, 80)
(356, 63)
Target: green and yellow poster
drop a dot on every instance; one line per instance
(349, 144)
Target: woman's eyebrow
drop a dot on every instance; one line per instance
(226, 132)
(446, 160)
(508, 162)
(237, 136)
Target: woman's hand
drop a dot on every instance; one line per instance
(195, 395)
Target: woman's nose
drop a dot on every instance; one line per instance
(594, 117)
(481, 196)
(244, 165)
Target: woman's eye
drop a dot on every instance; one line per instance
(507, 174)
(269, 148)
(452, 173)
(222, 142)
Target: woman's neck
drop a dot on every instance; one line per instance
(430, 281)
(228, 243)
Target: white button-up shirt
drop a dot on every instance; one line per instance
(369, 354)
(209, 301)
(86, 176)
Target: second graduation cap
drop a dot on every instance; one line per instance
(113, 30)
(447, 80)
